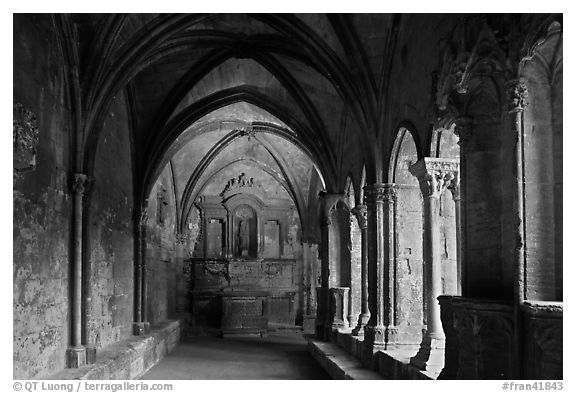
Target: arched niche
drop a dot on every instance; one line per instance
(409, 303)
(245, 231)
(542, 150)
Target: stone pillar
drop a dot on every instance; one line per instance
(375, 330)
(140, 324)
(310, 252)
(76, 353)
(361, 213)
(390, 199)
(322, 291)
(338, 307)
(87, 276)
(463, 130)
(434, 175)
(181, 242)
(517, 103)
(454, 187)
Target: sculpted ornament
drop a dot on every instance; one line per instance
(249, 131)
(435, 175)
(517, 96)
(80, 184)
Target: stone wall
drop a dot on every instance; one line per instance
(41, 207)
(162, 267)
(111, 232)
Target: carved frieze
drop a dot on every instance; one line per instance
(25, 137)
(435, 175)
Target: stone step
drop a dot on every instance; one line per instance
(338, 363)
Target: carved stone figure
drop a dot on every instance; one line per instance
(243, 237)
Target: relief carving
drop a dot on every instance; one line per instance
(25, 137)
(435, 175)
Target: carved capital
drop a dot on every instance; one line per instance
(463, 129)
(361, 213)
(80, 184)
(374, 193)
(435, 175)
(517, 96)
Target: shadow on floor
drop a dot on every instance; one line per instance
(278, 356)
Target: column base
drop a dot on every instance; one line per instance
(90, 354)
(75, 357)
(141, 328)
(431, 353)
(362, 322)
(375, 338)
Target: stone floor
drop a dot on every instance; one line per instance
(279, 356)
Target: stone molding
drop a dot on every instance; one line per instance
(517, 92)
(435, 175)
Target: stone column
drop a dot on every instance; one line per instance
(181, 242)
(375, 330)
(322, 291)
(434, 175)
(390, 199)
(454, 187)
(361, 213)
(517, 103)
(87, 276)
(139, 327)
(76, 353)
(463, 130)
